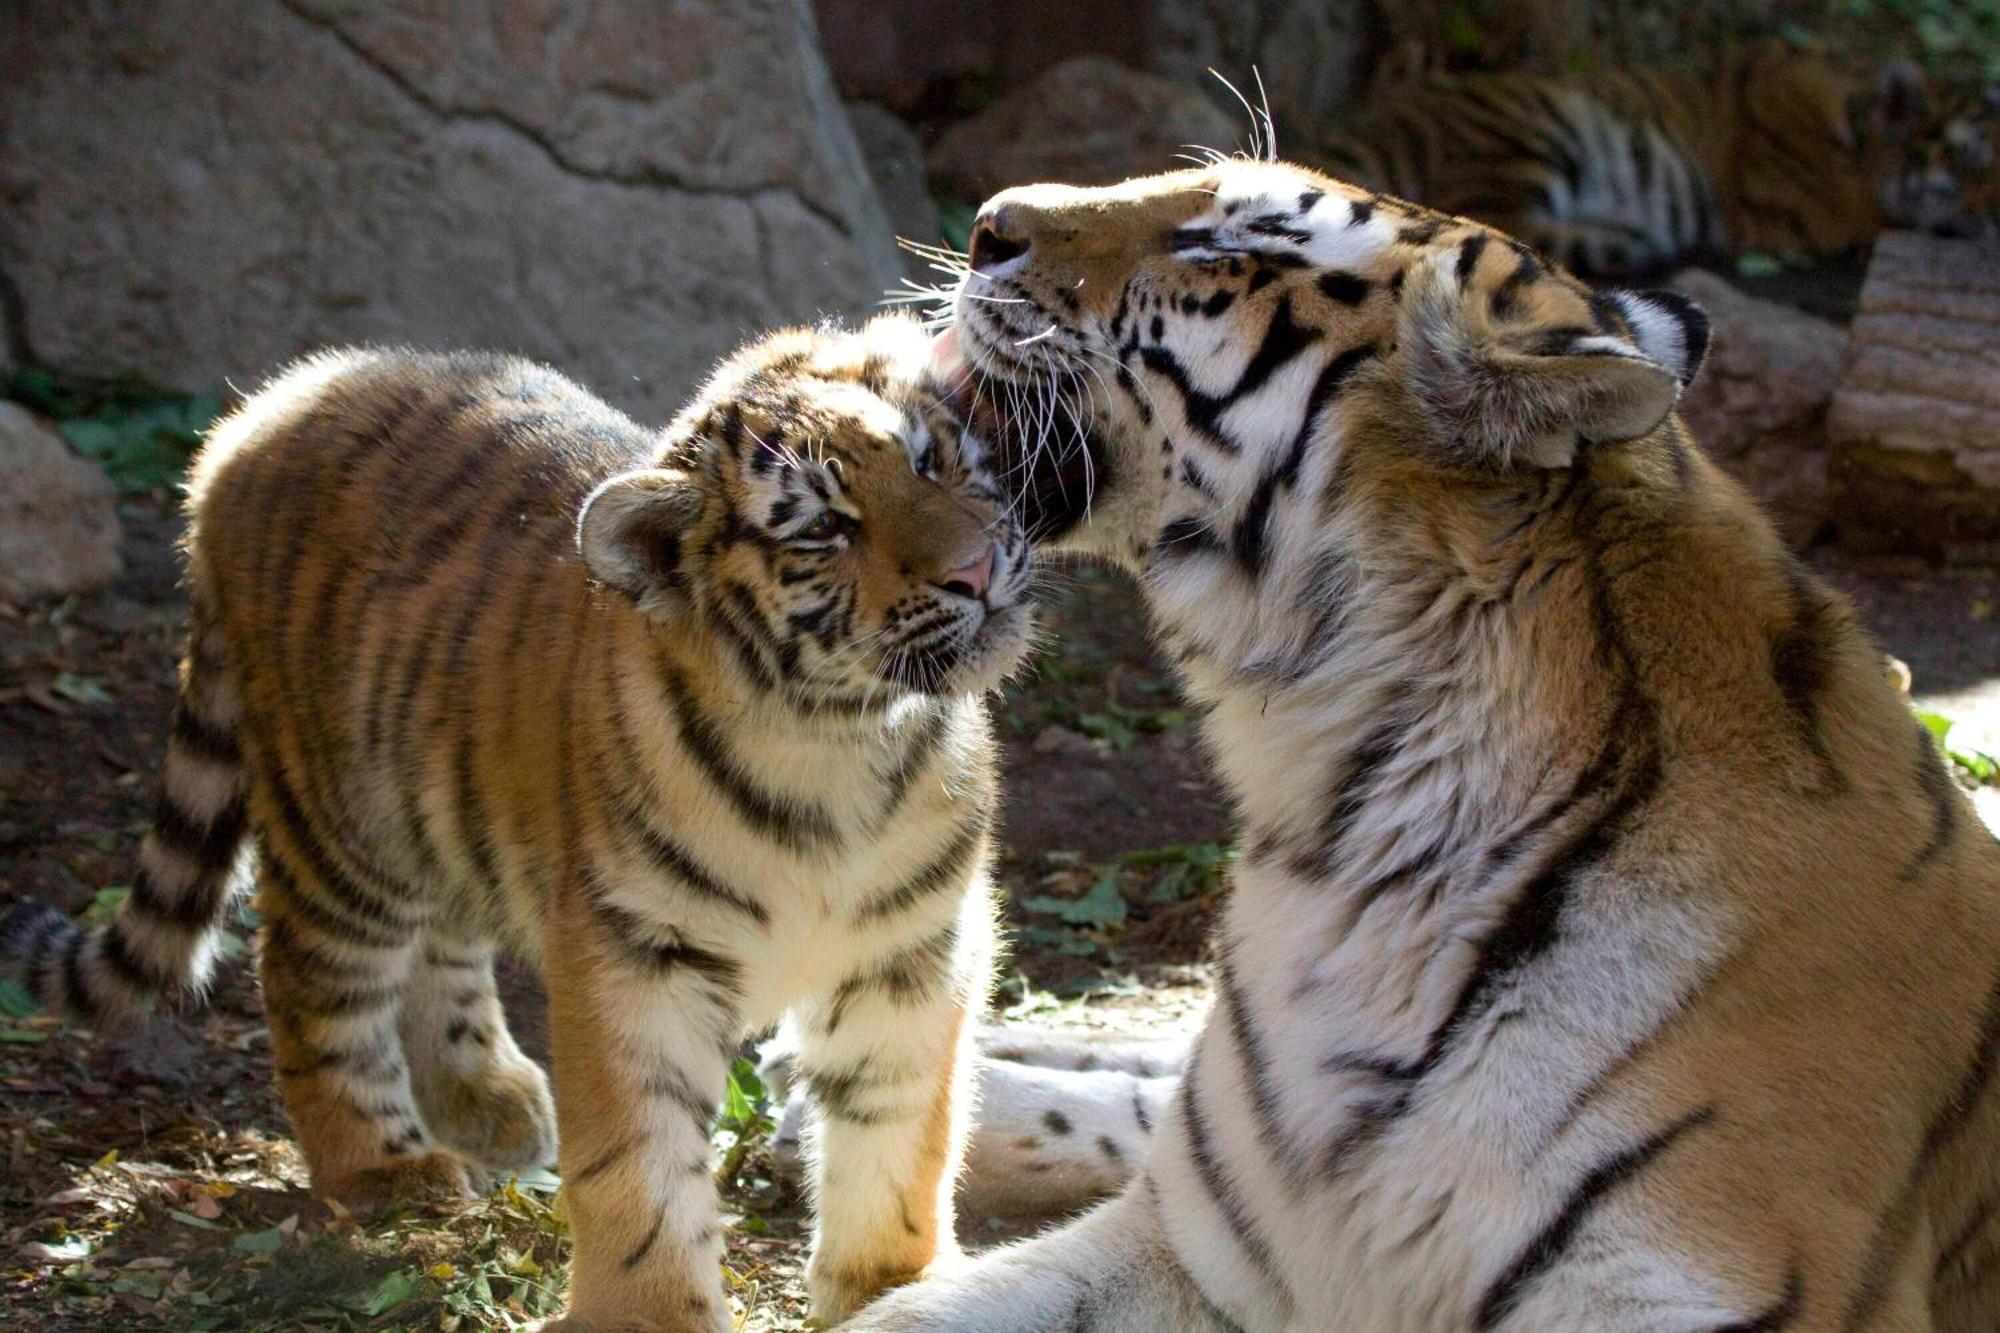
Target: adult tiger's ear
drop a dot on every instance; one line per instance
(631, 531)
(1503, 393)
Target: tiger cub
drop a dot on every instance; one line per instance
(1634, 171)
(692, 718)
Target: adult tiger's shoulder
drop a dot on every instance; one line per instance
(1634, 171)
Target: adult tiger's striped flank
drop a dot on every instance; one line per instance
(1633, 171)
(690, 717)
(1609, 947)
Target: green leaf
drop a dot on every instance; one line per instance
(1940, 725)
(15, 1001)
(1103, 906)
(85, 690)
(268, 1241)
(104, 904)
(391, 1291)
(22, 1036)
(1757, 264)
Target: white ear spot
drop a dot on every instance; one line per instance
(1666, 327)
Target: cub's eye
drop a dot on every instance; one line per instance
(927, 463)
(828, 526)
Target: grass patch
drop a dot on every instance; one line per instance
(142, 434)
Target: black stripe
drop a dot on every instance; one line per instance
(916, 755)
(1803, 657)
(1934, 778)
(1781, 1313)
(355, 928)
(798, 825)
(1257, 1070)
(944, 871)
(1189, 536)
(641, 944)
(1892, 1231)
(645, 1246)
(1959, 1247)
(676, 861)
(1221, 1187)
(1549, 1245)
(1343, 287)
(1357, 780)
(204, 740)
(210, 845)
(317, 862)
(76, 986)
(1249, 541)
(677, 1087)
(137, 972)
(1469, 251)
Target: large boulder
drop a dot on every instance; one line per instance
(895, 158)
(926, 55)
(1759, 406)
(1916, 424)
(194, 188)
(58, 514)
(1089, 121)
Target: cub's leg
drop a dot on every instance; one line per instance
(642, 1026)
(887, 1059)
(1110, 1271)
(480, 1095)
(333, 975)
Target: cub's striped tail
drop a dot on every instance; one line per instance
(161, 945)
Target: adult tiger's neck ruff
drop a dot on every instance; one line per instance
(1609, 947)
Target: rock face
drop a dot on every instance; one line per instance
(193, 188)
(1759, 406)
(1085, 122)
(895, 158)
(58, 515)
(1916, 424)
(1311, 53)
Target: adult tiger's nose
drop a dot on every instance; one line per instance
(997, 238)
(972, 580)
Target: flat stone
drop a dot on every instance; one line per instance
(1915, 425)
(59, 529)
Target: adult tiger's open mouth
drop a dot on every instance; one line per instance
(1039, 424)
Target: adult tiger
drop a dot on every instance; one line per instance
(1609, 947)
(690, 716)
(1636, 170)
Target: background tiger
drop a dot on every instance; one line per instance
(690, 717)
(1632, 171)
(1609, 946)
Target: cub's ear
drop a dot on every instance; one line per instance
(1525, 392)
(630, 532)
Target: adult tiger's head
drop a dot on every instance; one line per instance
(1198, 362)
(823, 509)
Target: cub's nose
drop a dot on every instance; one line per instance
(996, 238)
(971, 581)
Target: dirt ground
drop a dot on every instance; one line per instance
(149, 1179)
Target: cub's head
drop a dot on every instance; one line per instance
(1199, 362)
(822, 508)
